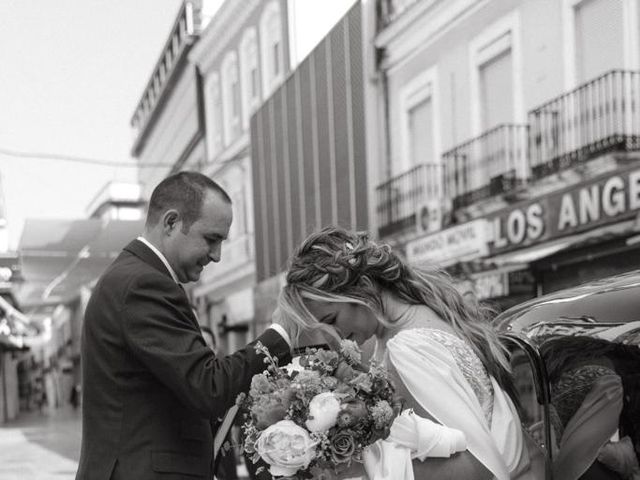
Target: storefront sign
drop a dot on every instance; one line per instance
(521, 282)
(606, 199)
(460, 243)
(491, 285)
(497, 283)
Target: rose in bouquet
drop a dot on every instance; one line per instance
(319, 416)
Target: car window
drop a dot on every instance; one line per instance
(531, 411)
(595, 404)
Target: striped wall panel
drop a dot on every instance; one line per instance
(308, 149)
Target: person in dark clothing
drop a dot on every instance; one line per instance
(577, 366)
(151, 385)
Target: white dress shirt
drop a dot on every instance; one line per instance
(160, 256)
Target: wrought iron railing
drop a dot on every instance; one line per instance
(488, 165)
(389, 10)
(600, 116)
(400, 199)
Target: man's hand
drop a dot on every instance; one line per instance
(299, 338)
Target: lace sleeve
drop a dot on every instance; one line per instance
(428, 371)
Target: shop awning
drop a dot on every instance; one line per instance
(16, 320)
(9, 343)
(59, 256)
(524, 256)
(527, 255)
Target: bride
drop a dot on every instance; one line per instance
(447, 361)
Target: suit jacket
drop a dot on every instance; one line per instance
(151, 386)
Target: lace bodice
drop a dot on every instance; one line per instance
(469, 364)
(447, 379)
(471, 367)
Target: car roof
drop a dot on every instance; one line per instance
(609, 301)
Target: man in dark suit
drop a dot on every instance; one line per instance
(150, 383)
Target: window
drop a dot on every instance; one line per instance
(496, 91)
(271, 47)
(255, 86)
(214, 115)
(599, 38)
(276, 59)
(525, 384)
(231, 98)
(496, 75)
(249, 73)
(421, 132)
(239, 214)
(421, 144)
(163, 70)
(175, 44)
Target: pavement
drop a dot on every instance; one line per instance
(45, 446)
(41, 445)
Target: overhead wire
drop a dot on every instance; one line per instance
(107, 163)
(72, 158)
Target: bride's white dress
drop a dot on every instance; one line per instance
(446, 378)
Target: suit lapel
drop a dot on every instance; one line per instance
(192, 315)
(144, 253)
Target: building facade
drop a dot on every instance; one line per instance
(168, 121)
(242, 57)
(511, 131)
(309, 159)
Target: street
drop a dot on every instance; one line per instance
(45, 446)
(41, 446)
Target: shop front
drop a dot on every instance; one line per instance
(587, 231)
(461, 250)
(581, 233)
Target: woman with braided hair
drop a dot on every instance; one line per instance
(446, 359)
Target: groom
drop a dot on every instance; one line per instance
(151, 385)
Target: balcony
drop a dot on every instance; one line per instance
(388, 11)
(400, 199)
(600, 116)
(491, 164)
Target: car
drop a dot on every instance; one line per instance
(607, 310)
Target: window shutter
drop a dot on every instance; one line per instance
(599, 38)
(421, 132)
(496, 90)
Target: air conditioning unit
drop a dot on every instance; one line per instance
(429, 217)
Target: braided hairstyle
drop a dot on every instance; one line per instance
(336, 265)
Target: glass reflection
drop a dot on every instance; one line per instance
(595, 406)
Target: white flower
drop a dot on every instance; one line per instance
(294, 366)
(286, 447)
(323, 412)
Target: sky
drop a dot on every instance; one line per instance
(71, 74)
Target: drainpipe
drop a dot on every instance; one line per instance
(386, 167)
(384, 81)
(5, 408)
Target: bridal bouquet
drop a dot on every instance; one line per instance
(317, 418)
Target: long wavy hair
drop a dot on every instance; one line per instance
(336, 265)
